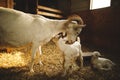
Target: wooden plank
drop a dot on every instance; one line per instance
(49, 14)
(7, 3)
(87, 54)
(49, 9)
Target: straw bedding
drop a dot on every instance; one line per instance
(14, 66)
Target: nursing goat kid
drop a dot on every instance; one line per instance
(19, 29)
(99, 63)
(70, 51)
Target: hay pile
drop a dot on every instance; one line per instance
(14, 66)
(14, 59)
(52, 59)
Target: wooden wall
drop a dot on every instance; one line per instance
(103, 28)
(79, 5)
(28, 6)
(7, 3)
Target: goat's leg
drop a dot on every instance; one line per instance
(81, 59)
(81, 62)
(66, 65)
(40, 53)
(33, 53)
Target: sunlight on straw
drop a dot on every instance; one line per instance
(12, 60)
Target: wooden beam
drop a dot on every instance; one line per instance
(49, 9)
(87, 54)
(49, 14)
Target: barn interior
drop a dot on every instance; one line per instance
(102, 33)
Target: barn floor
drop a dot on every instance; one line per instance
(14, 66)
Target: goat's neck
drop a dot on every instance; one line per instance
(61, 44)
(58, 26)
(53, 27)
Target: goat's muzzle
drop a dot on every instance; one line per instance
(69, 42)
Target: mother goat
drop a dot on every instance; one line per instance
(19, 29)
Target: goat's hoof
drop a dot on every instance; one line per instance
(31, 71)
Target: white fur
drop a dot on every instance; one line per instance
(101, 63)
(18, 29)
(71, 52)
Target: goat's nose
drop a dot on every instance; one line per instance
(69, 42)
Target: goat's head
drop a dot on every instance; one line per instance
(73, 27)
(96, 54)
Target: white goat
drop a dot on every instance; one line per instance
(101, 63)
(71, 52)
(18, 29)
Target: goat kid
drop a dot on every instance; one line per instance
(71, 52)
(101, 63)
(18, 29)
